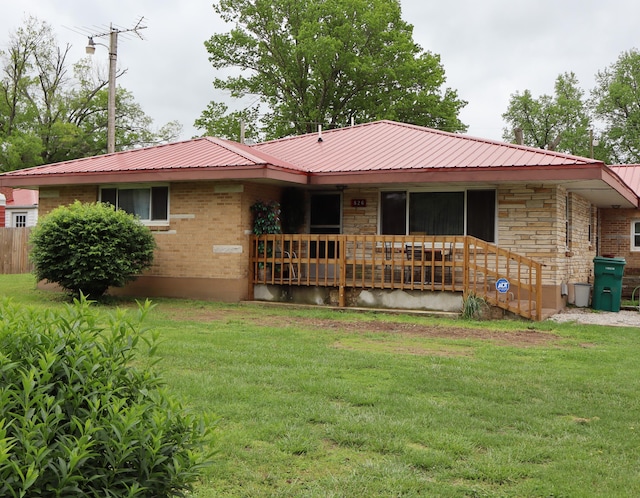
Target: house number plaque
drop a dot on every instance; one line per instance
(358, 203)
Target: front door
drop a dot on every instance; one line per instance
(325, 218)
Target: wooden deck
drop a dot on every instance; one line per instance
(424, 263)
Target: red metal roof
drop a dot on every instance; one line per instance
(382, 152)
(199, 153)
(388, 145)
(23, 198)
(630, 174)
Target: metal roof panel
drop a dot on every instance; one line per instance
(387, 145)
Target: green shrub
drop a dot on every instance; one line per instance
(473, 306)
(89, 247)
(83, 412)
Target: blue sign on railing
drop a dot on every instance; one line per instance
(502, 285)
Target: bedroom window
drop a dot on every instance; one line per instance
(150, 204)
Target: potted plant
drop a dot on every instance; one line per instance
(266, 220)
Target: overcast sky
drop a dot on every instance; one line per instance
(489, 48)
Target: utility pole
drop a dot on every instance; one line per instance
(113, 59)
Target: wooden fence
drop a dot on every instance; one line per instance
(14, 250)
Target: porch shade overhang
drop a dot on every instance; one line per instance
(198, 159)
(596, 182)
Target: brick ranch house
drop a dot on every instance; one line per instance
(367, 196)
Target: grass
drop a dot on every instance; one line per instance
(318, 403)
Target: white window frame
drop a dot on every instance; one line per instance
(138, 186)
(19, 214)
(634, 247)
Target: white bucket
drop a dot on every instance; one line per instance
(581, 293)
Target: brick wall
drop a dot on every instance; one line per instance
(615, 235)
(52, 197)
(210, 224)
(615, 240)
(208, 231)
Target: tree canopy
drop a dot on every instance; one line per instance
(50, 112)
(606, 125)
(325, 62)
(615, 101)
(558, 122)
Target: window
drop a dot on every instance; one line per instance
(439, 213)
(436, 213)
(635, 235)
(481, 214)
(148, 203)
(393, 213)
(19, 220)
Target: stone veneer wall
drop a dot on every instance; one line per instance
(360, 220)
(532, 222)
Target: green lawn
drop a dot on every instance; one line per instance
(320, 403)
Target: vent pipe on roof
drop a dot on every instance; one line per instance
(519, 136)
(242, 132)
(319, 133)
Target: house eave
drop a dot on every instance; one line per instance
(594, 181)
(160, 175)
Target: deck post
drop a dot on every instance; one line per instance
(251, 277)
(343, 273)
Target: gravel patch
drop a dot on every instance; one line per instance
(622, 318)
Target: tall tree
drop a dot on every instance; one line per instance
(324, 62)
(50, 113)
(557, 122)
(616, 103)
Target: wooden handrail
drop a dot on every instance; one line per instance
(435, 263)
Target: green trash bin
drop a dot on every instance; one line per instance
(607, 285)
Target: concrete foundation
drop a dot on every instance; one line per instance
(364, 298)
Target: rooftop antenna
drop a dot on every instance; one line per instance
(113, 33)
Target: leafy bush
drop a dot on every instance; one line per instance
(89, 247)
(77, 418)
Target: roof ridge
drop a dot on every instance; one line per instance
(251, 154)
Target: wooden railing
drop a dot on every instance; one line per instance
(426, 263)
(487, 264)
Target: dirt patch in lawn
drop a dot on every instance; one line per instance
(524, 338)
(516, 338)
